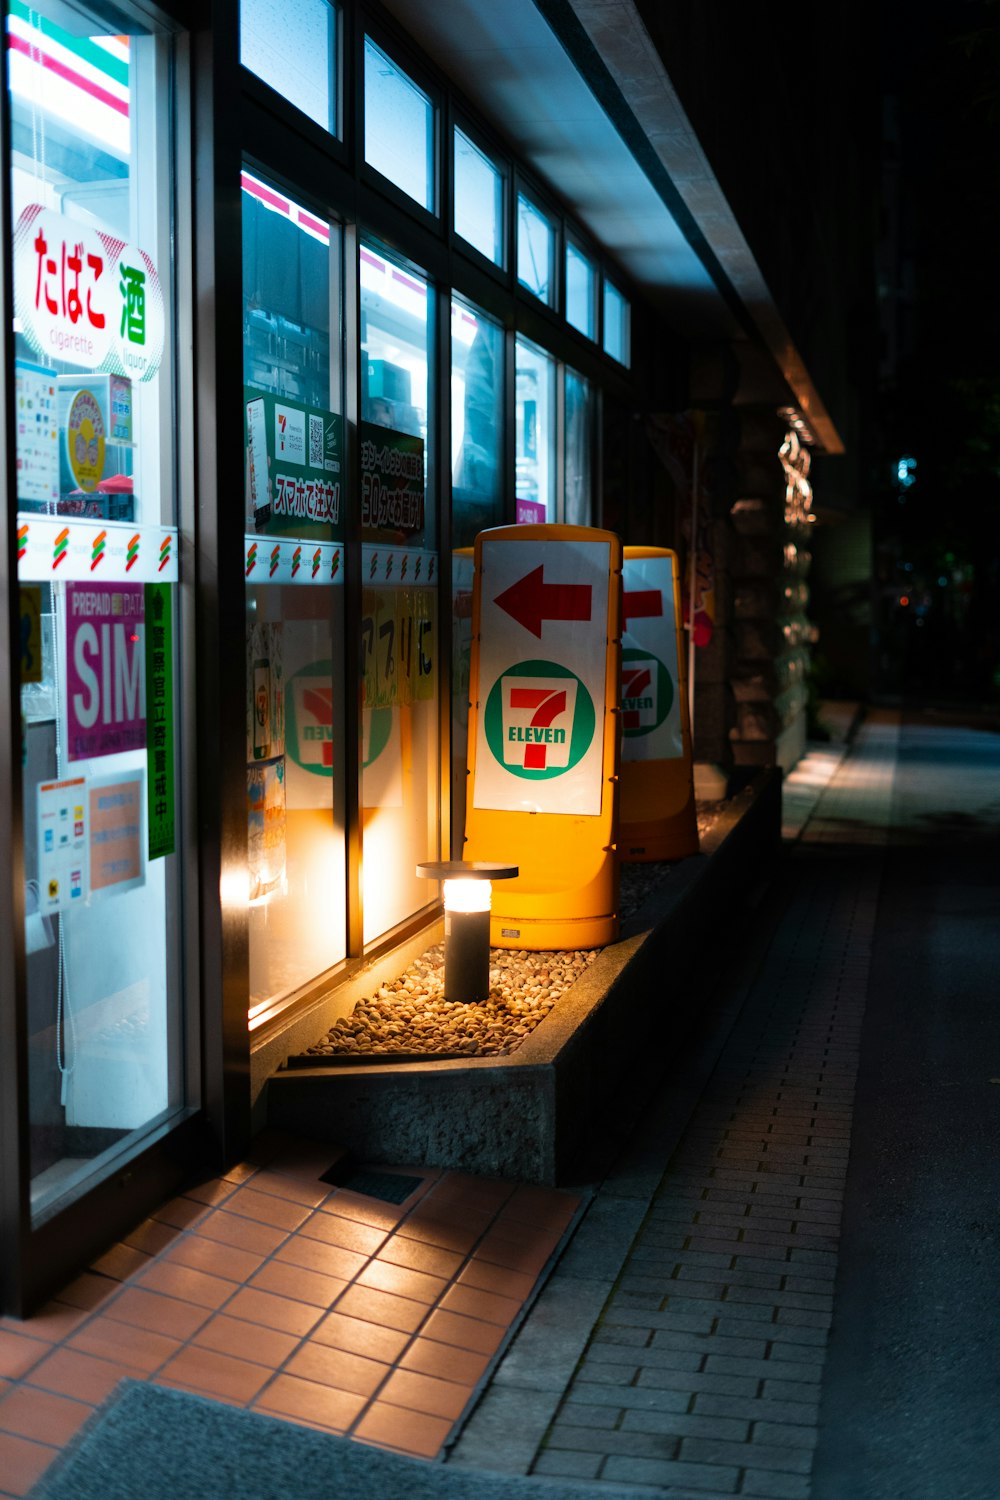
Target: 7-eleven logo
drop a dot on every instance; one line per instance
(639, 695)
(314, 724)
(537, 717)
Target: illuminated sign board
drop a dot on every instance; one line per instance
(85, 297)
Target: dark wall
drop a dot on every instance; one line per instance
(785, 105)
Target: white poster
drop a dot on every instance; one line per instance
(651, 698)
(542, 664)
(63, 845)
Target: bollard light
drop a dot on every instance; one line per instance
(467, 895)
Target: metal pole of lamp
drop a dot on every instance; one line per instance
(467, 895)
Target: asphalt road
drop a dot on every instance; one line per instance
(911, 1404)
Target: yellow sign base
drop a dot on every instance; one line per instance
(673, 832)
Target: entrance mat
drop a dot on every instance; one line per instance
(162, 1444)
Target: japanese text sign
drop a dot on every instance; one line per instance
(392, 482)
(116, 854)
(294, 455)
(85, 297)
(160, 695)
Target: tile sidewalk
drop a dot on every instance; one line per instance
(269, 1289)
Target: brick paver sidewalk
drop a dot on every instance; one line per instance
(701, 1374)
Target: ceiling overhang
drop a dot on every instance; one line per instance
(580, 90)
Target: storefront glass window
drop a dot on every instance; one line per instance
(294, 528)
(579, 291)
(616, 324)
(294, 49)
(478, 199)
(399, 127)
(399, 646)
(578, 506)
(476, 501)
(535, 249)
(476, 425)
(535, 417)
(92, 169)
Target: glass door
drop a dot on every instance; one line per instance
(400, 781)
(295, 513)
(92, 175)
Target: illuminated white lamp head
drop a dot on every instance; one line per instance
(467, 895)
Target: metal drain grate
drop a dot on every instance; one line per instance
(387, 1187)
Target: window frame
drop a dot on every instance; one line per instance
(572, 243)
(554, 219)
(502, 166)
(252, 84)
(368, 29)
(608, 283)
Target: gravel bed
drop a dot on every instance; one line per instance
(411, 1017)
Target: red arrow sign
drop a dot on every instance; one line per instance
(642, 604)
(531, 600)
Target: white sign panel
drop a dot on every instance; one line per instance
(542, 662)
(651, 699)
(65, 547)
(289, 434)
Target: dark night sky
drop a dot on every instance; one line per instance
(939, 540)
(943, 62)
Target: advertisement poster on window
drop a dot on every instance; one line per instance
(294, 460)
(160, 699)
(37, 435)
(105, 690)
(63, 844)
(314, 743)
(529, 512)
(392, 483)
(265, 701)
(266, 827)
(265, 726)
(116, 847)
(31, 632)
(398, 646)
